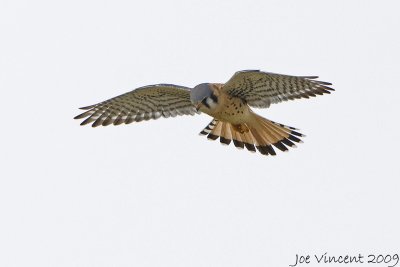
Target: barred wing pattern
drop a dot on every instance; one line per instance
(260, 89)
(144, 103)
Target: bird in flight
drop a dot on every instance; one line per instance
(229, 105)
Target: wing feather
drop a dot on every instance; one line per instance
(261, 89)
(144, 103)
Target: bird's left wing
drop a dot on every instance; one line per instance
(144, 103)
(260, 89)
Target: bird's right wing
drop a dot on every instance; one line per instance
(144, 103)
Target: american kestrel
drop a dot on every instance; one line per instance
(229, 105)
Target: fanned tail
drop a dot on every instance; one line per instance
(258, 134)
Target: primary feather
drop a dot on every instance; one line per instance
(261, 89)
(144, 103)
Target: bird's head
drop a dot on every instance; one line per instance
(203, 97)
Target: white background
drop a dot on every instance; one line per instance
(157, 194)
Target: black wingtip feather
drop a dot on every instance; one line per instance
(118, 121)
(87, 107)
(97, 122)
(107, 121)
(309, 77)
(327, 88)
(129, 120)
(324, 83)
(80, 116)
(86, 121)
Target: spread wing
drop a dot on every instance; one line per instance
(144, 103)
(260, 89)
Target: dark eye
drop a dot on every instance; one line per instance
(214, 98)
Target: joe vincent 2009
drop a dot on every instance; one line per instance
(324, 258)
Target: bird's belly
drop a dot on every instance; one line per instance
(233, 111)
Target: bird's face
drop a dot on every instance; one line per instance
(203, 98)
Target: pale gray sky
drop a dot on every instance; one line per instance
(156, 193)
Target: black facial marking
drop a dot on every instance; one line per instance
(204, 102)
(214, 98)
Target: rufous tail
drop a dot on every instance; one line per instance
(259, 133)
